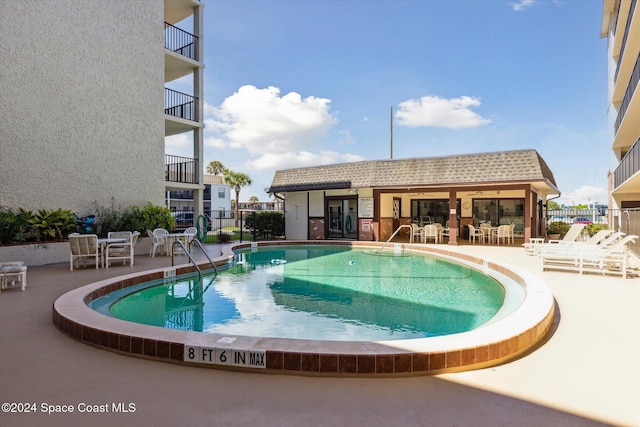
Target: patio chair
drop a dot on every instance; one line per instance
(474, 233)
(162, 234)
(10, 271)
(503, 232)
(431, 232)
(157, 242)
(124, 251)
(83, 247)
(417, 233)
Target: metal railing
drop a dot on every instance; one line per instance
(181, 105)
(631, 88)
(629, 165)
(180, 41)
(626, 35)
(180, 169)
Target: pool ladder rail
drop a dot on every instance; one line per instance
(188, 253)
(394, 235)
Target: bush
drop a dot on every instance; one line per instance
(25, 226)
(592, 229)
(558, 227)
(133, 218)
(266, 224)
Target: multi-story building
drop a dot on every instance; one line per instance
(183, 112)
(216, 197)
(621, 26)
(85, 107)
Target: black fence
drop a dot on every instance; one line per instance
(223, 225)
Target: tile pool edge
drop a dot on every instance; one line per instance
(488, 345)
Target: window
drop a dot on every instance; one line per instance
(221, 193)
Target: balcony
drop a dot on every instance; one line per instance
(628, 167)
(181, 53)
(180, 169)
(181, 112)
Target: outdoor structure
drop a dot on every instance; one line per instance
(84, 106)
(370, 200)
(621, 26)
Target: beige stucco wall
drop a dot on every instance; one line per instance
(81, 114)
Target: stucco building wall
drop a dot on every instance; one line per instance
(82, 103)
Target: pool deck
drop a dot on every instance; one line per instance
(587, 373)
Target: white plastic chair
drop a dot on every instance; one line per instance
(162, 234)
(474, 233)
(417, 233)
(431, 232)
(158, 242)
(503, 232)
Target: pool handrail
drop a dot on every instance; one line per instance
(393, 235)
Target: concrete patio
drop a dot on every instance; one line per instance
(587, 373)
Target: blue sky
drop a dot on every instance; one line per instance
(306, 82)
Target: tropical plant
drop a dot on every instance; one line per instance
(133, 218)
(26, 226)
(237, 180)
(266, 224)
(593, 228)
(215, 167)
(558, 227)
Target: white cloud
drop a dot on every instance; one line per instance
(585, 194)
(274, 161)
(263, 122)
(433, 111)
(523, 5)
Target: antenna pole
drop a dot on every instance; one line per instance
(391, 134)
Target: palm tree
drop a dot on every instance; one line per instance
(237, 180)
(215, 167)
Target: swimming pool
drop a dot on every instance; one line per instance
(505, 336)
(321, 293)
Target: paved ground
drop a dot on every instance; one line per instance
(586, 374)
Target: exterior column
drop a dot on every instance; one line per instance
(527, 214)
(453, 218)
(198, 133)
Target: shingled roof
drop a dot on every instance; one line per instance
(465, 169)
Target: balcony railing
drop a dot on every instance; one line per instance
(181, 105)
(180, 41)
(629, 165)
(180, 169)
(624, 39)
(631, 88)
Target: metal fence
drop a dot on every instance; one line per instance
(223, 223)
(624, 220)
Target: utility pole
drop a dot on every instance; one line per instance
(391, 134)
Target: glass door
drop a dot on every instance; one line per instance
(342, 218)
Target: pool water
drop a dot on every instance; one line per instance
(320, 293)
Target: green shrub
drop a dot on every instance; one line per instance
(26, 226)
(266, 224)
(558, 227)
(133, 218)
(592, 229)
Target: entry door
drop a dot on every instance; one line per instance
(342, 218)
(397, 208)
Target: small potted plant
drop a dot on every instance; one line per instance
(557, 229)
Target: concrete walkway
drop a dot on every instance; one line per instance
(586, 374)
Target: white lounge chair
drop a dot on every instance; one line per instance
(533, 246)
(83, 247)
(602, 259)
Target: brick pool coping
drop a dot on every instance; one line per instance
(489, 345)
